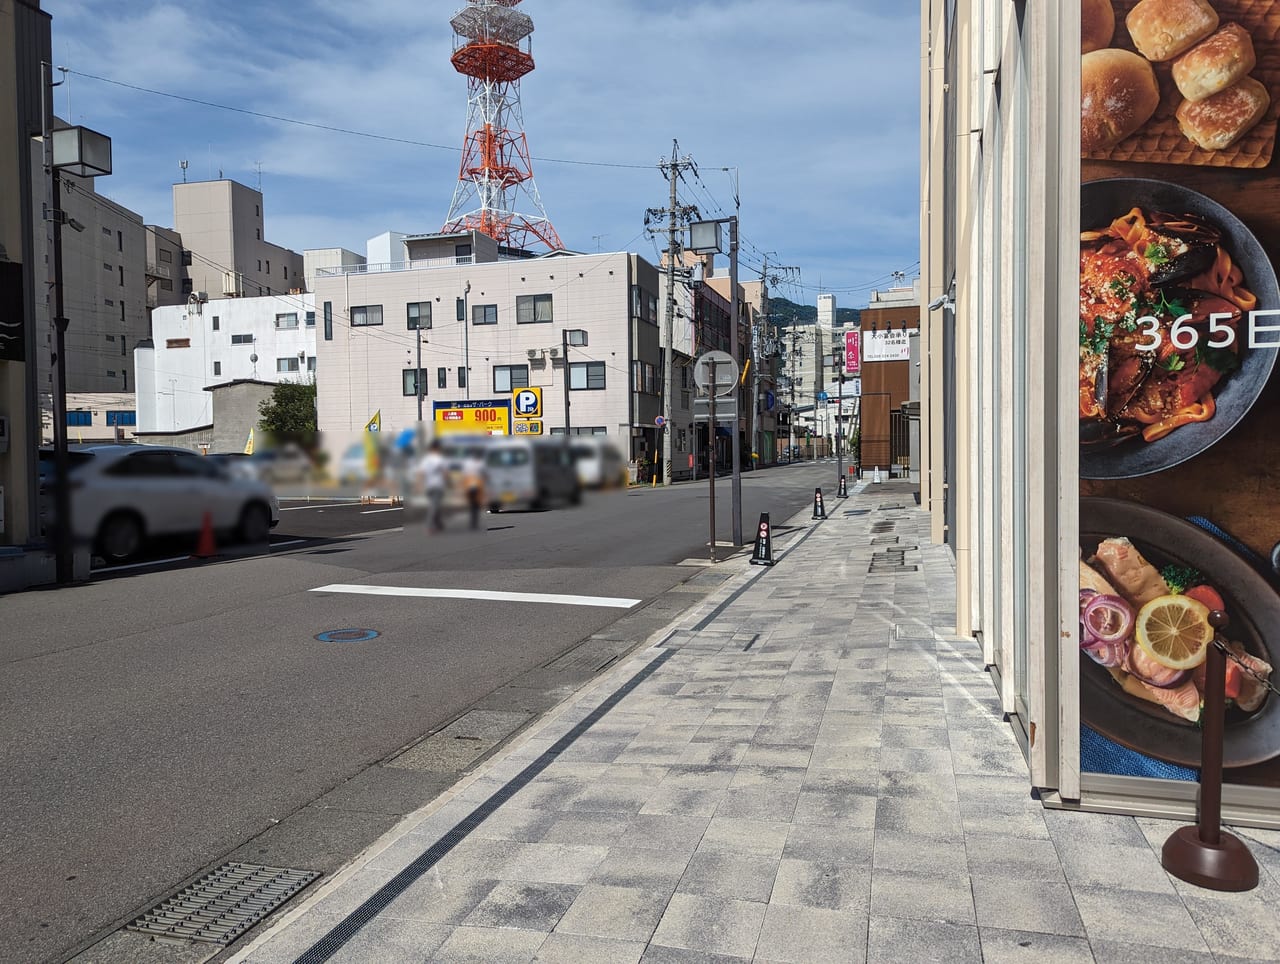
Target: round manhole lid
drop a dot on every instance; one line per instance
(348, 635)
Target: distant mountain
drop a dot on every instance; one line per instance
(785, 313)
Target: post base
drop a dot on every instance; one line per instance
(1226, 866)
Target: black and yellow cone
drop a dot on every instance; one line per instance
(819, 510)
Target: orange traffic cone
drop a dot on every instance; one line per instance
(206, 545)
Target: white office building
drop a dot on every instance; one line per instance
(196, 346)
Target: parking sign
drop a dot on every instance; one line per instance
(527, 402)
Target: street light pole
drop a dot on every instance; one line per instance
(564, 347)
(466, 342)
(417, 375)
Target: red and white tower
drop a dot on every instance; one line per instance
(492, 48)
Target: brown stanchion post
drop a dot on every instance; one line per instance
(1204, 855)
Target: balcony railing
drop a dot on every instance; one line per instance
(337, 271)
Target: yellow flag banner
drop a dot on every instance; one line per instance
(248, 445)
(372, 429)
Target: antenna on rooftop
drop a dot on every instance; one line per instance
(183, 164)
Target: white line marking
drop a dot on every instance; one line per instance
(321, 505)
(291, 542)
(139, 565)
(398, 508)
(610, 602)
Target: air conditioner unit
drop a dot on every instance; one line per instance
(555, 352)
(533, 353)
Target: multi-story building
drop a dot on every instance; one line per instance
(197, 346)
(490, 324)
(168, 259)
(24, 44)
(221, 224)
(313, 259)
(887, 324)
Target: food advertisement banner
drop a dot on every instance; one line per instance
(490, 416)
(1179, 410)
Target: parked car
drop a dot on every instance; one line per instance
(598, 462)
(531, 472)
(123, 495)
(286, 464)
(353, 467)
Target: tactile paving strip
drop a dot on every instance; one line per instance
(223, 904)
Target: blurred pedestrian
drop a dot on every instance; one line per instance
(474, 483)
(433, 473)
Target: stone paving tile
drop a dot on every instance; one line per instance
(1115, 867)
(837, 806)
(711, 924)
(1018, 904)
(1032, 947)
(831, 885)
(489, 945)
(1159, 920)
(578, 949)
(667, 799)
(1014, 858)
(777, 755)
(739, 835)
(642, 869)
(1076, 830)
(917, 815)
(552, 863)
(807, 934)
(913, 852)
(657, 954)
(758, 803)
(894, 941)
(740, 876)
(390, 940)
(1121, 952)
(666, 832)
(528, 906)
(1238, 925)
(619, 913)
(829, 843)
(916, 896)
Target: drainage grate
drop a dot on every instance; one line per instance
(892, 560)
(224, 903)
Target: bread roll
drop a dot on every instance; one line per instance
(1216, 63)
(1219, 121)
(1097, 24)
(1118, 94)
(1162, 29)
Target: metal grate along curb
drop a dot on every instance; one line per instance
(223, 904)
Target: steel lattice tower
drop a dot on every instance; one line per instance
(492, 48)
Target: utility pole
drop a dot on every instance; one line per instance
(676, 215)
(764, 342)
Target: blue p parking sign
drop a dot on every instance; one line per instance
(527, 402)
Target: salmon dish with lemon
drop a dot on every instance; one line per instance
(1149, 628)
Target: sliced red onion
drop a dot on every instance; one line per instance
(1109, 654)
(1108, 618)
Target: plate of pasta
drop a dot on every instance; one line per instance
(1169, 279)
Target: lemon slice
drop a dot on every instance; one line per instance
(1174, 631)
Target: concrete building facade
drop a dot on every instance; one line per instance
(264, 340)
(489, 326)
(222, 223)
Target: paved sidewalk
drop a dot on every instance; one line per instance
(808, 768)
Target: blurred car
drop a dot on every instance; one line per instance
(353, 466)
(598, 462)
(530, 472)
(123, 495)
(287, 464)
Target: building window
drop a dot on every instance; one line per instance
(286, 271)
(311, 363)
(122, 418)
(462, 377)
(110, 373)
(108, 302)
(418, 315)
(268, 267)
(409, 381)
(216, 322)
(286, 320)
(462, 253)
(186, 285)
(582, 430)
(533, 309)
(122, 312)
(508, 377)
(242, 339)
(311, 319)
(81, 419)
(645, 377)
(484, 314)
(217, 368)
(186, 258)
(119, 243)
(105, 266)
(257, 233)
(289, 364)
(259, 265)
(106, 230)
(257, 211)
(122, 344)
(177, 343)
(585, 376)
(442, 378)
(111, 337)
(363, 316)
(166, 284)
(165, 255)
(328, 321)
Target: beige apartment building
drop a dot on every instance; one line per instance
(491, 324)
(221, 224)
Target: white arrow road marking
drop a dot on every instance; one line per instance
(609, 602)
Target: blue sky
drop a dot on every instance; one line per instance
(815, 102)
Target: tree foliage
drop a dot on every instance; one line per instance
(289, 414)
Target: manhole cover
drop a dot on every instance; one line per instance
(223, 904)
(348, 635)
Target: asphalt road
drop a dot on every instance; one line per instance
(163, 719)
